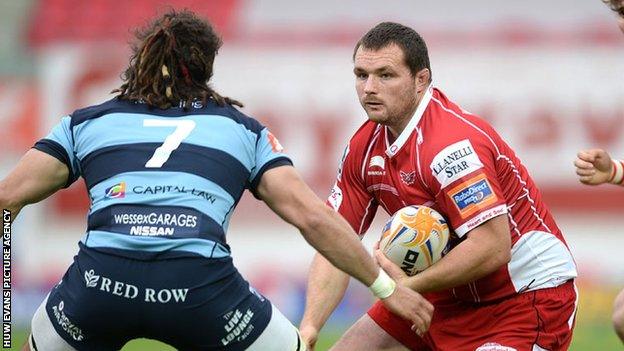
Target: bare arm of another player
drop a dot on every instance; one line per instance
(326, 288)
(595, 167)
(486, 249)
(285, 193)
(36, 176)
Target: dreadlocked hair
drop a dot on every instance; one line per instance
(171, 63)
(616, 5)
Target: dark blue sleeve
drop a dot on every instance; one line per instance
(60, 144)
(269, 154)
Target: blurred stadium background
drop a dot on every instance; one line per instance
(548, 75)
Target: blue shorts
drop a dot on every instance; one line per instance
(104, 301)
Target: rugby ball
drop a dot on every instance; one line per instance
(415, 238)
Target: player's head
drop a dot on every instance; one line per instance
(392, 71)
(172, 62)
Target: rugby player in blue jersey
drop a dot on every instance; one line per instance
(165, 163)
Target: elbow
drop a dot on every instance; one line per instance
(497, 255)
(495, 261)
(505, 257)
(6, 200)
(502, 257)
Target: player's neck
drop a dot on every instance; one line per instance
(399, 125)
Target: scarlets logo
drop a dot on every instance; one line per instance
(117, 191)
(408, 177)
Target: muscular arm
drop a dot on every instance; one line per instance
(330, 234)
(36, 176)
(486, 249)
(288, 196)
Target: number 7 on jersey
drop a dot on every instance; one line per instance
(183, 129)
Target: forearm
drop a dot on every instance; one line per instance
(326, 287)
(331, 236)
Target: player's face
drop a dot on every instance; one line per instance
(385, 86)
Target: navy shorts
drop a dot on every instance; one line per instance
(104, 301)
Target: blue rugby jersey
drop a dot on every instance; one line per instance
(162, 183)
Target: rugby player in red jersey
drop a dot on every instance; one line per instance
(508, 282)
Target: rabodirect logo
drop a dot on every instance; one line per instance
(117, 191)
(472, 194)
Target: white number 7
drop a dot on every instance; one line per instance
(184, 127)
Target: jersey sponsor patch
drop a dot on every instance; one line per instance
(148, 221)
(455, 161)
(377, 161)
(480, 219)
(335, 198)
(472, 195)
(377, 166)
(117, 191)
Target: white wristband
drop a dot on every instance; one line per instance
(618, 173)
(383, 286)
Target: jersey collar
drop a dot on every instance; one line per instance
(400, 141)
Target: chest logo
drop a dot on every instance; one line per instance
(455, 162)
(408, 177)
(377, 166)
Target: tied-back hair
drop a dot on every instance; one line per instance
(172, 62)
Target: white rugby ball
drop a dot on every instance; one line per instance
(415, 238)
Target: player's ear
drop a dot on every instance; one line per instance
(423, 78)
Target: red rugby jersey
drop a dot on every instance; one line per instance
(455, 162)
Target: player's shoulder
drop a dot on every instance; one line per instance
(359, 143)
(94, 111)
(239, 117)
(364, 136)
(451, 123)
